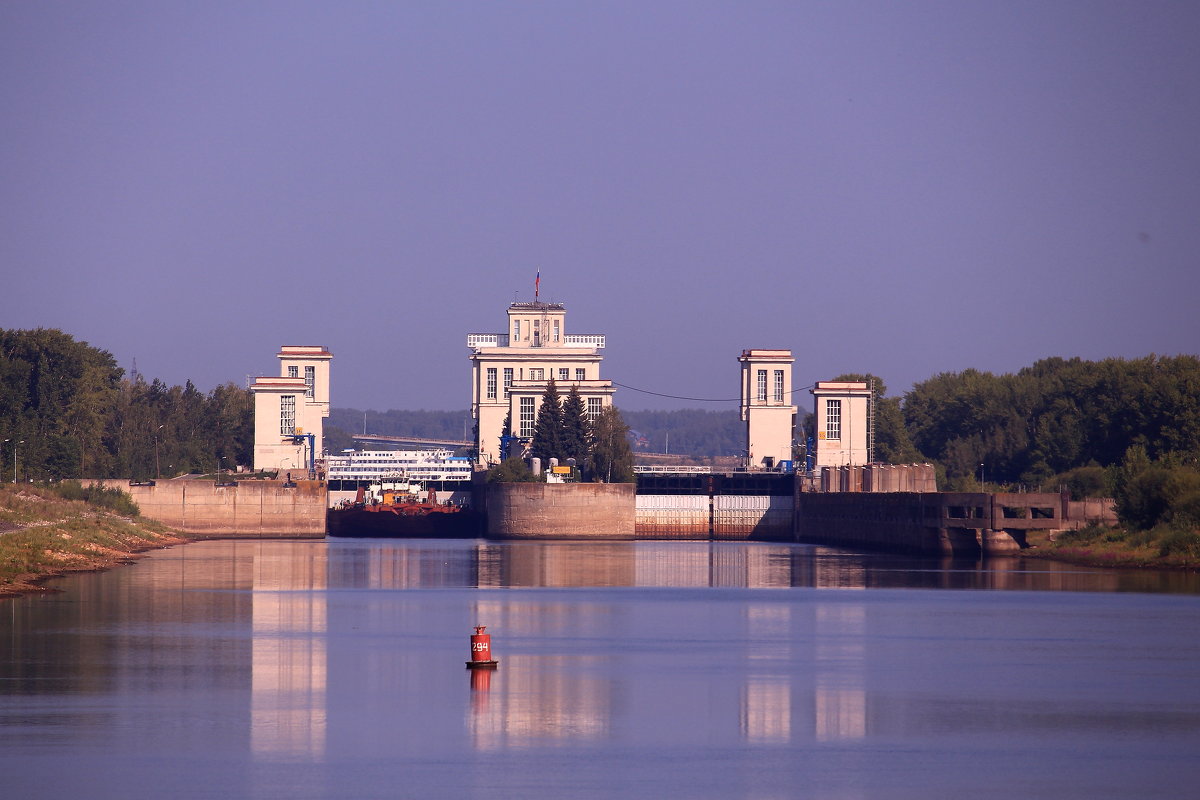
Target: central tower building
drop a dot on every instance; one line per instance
(510, 372)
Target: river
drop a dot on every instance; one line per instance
(336, 669)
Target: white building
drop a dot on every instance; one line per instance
(767, 407)
(289, 410)
(510, 372)
(842, 410)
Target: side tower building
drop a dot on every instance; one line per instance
(767, 407)
(510, 372)
(842, 420)
(289, 409)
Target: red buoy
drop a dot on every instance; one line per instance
(481, 650)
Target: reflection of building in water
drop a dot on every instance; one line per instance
(711, 564)
(288, 658)
(766, 712)
(535, 699)
(767, 709)
(840, 696)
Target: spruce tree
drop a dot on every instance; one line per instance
(548, 429)
(577, 432)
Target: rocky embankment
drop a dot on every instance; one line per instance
(43, 535)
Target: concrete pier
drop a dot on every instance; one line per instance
(248, 509)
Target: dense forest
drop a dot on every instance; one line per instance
(68, 411)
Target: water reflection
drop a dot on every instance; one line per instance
(396, 564)
(337, 669)
(288, 658)
(840, 698)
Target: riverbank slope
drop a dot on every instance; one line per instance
(43, 535)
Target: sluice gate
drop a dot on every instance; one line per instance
(731, 506)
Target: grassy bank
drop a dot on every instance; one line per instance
(1163, 547)
(43, 534)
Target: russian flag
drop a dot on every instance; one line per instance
(537, 284)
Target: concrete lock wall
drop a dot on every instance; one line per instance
(560, 510)
(252, 509)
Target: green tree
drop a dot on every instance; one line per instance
(511, 470)
(576, 432)
(611, 458)
(548, 428)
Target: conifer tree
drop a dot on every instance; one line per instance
(548, 429)
(577, 432)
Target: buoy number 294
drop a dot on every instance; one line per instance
(479, 647)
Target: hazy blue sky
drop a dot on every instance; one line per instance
(903, 188)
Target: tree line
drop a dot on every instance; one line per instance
(68, 411)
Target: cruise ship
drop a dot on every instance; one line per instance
(353, 468)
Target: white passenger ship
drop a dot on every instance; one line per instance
(413, 465)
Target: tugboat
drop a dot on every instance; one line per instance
(402, 510)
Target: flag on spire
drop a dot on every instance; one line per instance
(537, 283)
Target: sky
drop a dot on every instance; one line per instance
(904, 189)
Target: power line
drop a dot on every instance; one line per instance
(698, 399)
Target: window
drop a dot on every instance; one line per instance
(580, 372)
(287, 415)
(778, 386)
(557, 330)
(537, 333)
(516, 330)
(594, 406)
(537, 374)
(526, 429)
(293, 372)
(564, 374)
(833, 419)
(761, 393)
(507, 380)
(491, 383)
(310, 381)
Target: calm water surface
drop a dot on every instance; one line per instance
(652, 669)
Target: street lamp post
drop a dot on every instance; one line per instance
(982, 477)
(157, 469)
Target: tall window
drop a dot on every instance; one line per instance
(557, 330)
(526, 417)
(580, 372)
(516, 330)
(491, 383)
(594, 406)
(293, 372)
(507, 380)
(778, 386)
(564, 373)
(310, 381)
(833, 419)
(287, 415)
(761, 391)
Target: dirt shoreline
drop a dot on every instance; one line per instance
(43, 536)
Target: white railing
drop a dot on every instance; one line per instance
(665, 469)
(583, 340)
(478, 340)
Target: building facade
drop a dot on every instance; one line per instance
(510, 372)
(767, 407)
(842, 417)
(289, 410)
